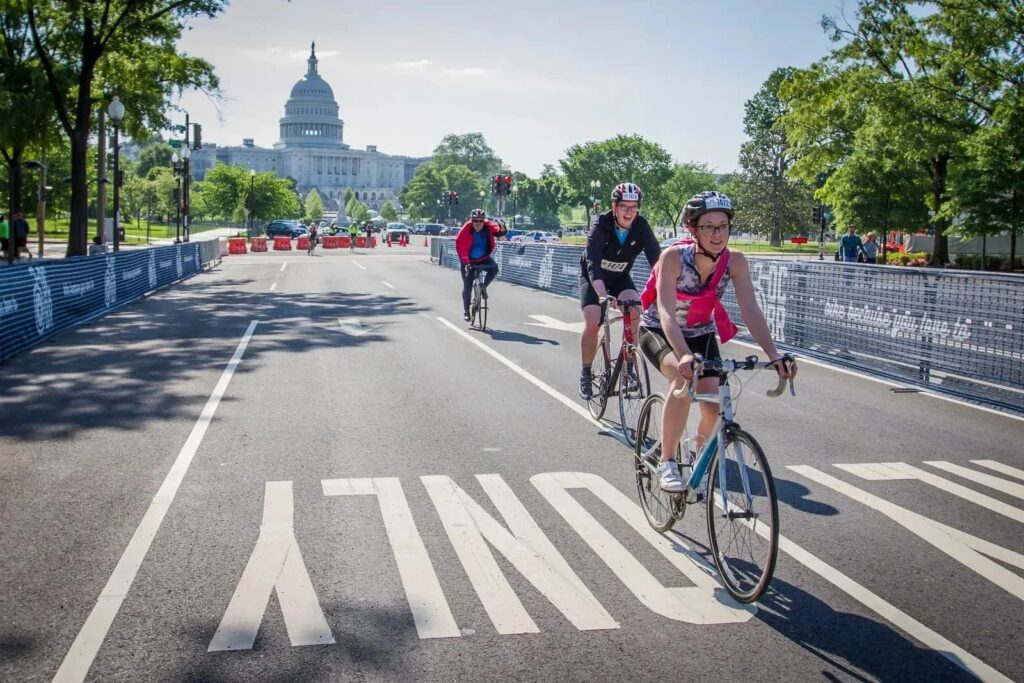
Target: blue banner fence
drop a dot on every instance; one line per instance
(39, 300)
(959, 332)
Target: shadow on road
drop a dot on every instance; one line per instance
(113, 372)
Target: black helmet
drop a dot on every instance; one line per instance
(702, 202)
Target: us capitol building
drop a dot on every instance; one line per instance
(311, 150)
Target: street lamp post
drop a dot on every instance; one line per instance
(40, 200)
(482, 195)
(116, 113)
(515, 204)
(186, 221)
(252, 197)
(176, 165)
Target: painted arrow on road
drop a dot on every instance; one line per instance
(556, 324)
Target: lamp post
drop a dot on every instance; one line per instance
(482, 195)
(116, 113)
(515, 204)
(176, 165)
(186, 221)
(252, 196)
(40, 200)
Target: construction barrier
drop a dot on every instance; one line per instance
(236, 245)
(303, 242)
(361, 241)
(282, 244)
(344, 241)
(798, 240)
(258, 244)
(330, 242)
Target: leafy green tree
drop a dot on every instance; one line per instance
(360, 212)
(226, 194)
(624, 158)
(542, 198)
(388, 213)
(770, 202)
(470, 150)
(347, 196)
(153, 154)
(313, 206)
(665, 203)
(106, 44)
(462, 179)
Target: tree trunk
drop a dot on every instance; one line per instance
(16, 184)
(940, 166)
(1013, 231)
(78, 232)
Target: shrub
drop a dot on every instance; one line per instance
(916, 258)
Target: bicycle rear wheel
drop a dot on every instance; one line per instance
(634, 386)
(744, 531)
(600, 377)
(657, 504)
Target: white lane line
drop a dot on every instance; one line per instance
(872, 473)
(1012, 488)
(83, 651)
(1000, 467)
(283, 266)
(388, 284)
(561, 398)
(357, 263)
(273, 287)
(886, 610)
(970, 495)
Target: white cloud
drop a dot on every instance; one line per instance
(468, 71)
(417, 64)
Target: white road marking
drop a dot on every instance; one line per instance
(359, 264)
(966, 549)
(1000, 467)
(703, 603)
(956, 489)
(556, 324)
(354, 327)
(83, 651)
(523, 544)
(873, 471)
(1009, 487)
(430, 610)
(275, 564)
(283, 266)
(388, 284)
(273, 287)
(558, 396)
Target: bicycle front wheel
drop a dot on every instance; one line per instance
(480, 314)
(743, 518)
(634, 386)
(657, 504)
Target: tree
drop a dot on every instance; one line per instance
(619, 159)
(666, 203)
(313, 207)
(347, 196)
(388, 213)
(542, 197)
(770, 202)
(360, 212)
(470, 150)
(153, 154)
(429, 182)
(226, 194)
(108, 43)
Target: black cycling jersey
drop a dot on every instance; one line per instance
(607, 259)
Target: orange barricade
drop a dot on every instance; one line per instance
(373, 241)
(361, 241)
(344, 241)
(426, 241)
(330, 242)
(303, 242)
(236, 245)
(258, 244)
(798, 240)
(282, 244)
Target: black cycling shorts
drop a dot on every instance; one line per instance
(588, 297)
(655, 347)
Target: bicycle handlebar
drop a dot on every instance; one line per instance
(731, 365)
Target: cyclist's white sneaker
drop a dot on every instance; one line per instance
(668, 477)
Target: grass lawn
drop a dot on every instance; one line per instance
(57, 229)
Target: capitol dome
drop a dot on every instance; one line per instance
(311, 114)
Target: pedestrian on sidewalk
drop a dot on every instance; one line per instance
(870, 248)
(4, 234)
(850, 246)
(19, 233)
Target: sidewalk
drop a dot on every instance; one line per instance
(55, 249)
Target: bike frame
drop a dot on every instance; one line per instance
(627, 342)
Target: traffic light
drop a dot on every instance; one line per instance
(508, 185)
(197, 136)
(456, 195)
(816, 214)
(496, 185)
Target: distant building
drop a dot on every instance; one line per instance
(313, 152)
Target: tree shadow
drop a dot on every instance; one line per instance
(83, 378)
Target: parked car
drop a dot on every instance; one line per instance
(433, 229)
(536, 236)
(282, 228)
(396, 234)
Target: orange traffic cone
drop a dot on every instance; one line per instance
(389, 241)
(426, 241)
(405, 241)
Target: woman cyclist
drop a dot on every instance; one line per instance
(683, 310)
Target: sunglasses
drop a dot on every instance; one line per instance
(478, 220)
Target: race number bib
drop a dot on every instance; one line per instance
(613, 266)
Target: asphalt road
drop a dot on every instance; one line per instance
(308, 468)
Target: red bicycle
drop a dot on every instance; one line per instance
(624, 376)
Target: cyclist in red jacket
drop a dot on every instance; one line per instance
(474, 245)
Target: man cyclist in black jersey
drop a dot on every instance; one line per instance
(616, 238)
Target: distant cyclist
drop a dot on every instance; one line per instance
(616, 238)
(313, 229)
(353, 232)
(683, 311)
(474, 245)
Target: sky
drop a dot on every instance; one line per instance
(534, 77)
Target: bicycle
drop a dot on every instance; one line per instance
(477, 301)
(312, 245)
(608, 380)
(351, 244)
(742, 496)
